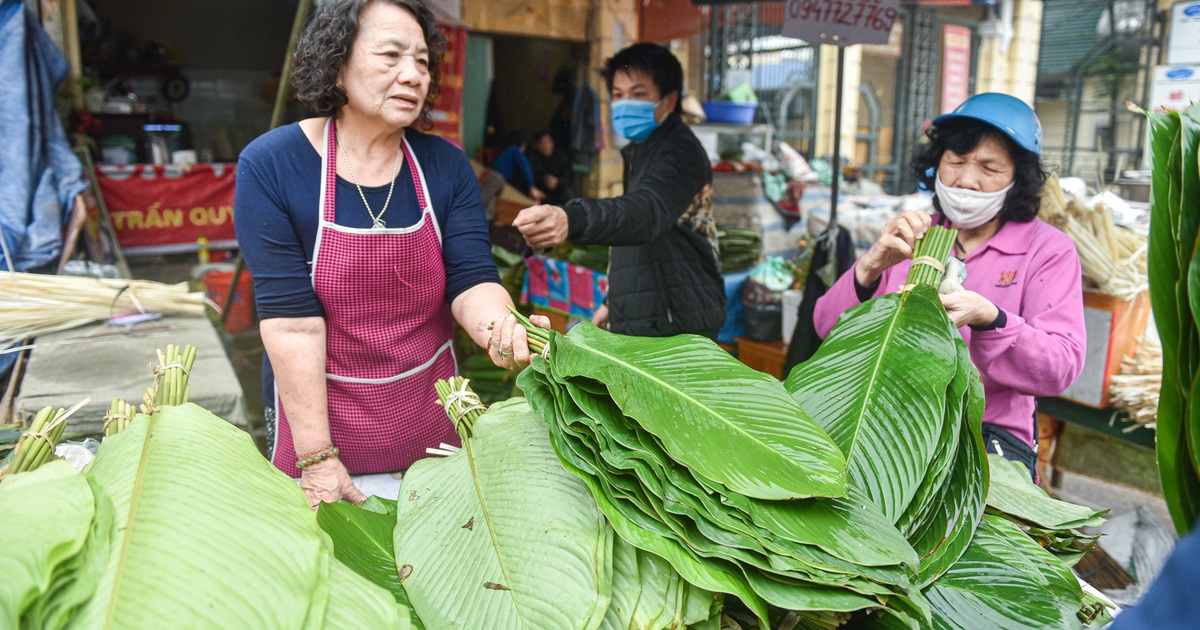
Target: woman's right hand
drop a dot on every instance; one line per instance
(328, 481)
(895, 244)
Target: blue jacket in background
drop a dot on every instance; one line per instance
(39, 174)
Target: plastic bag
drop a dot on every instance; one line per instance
(763, 322)
(774, 273)
(78, 454)
(797, 167)
(774, 186)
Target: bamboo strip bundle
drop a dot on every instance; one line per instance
(1113, 258)
(36, 304)
(1137, 387)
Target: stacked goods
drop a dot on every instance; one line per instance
(863, 501)
(1113, 258)
(1137, 388)
(740, 248)
(35, 304)
(1051, 523)
(644, 483)
(498, 535)
(179, 514)
(1175, 300)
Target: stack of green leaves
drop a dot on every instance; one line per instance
(858, 494)
(740, 248)
(498, 535)
(710, 465)
(1174, 272)
(894, 387)
(178, 520)
(179, 514)
(1005, 580)
(1052, 523)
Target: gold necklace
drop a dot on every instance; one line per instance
(376, 221)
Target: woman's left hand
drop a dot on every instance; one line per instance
(508, 347)
(968, 308)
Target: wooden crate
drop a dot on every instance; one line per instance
(764, 356)
(1114, 327)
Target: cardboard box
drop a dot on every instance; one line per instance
(1114, 327)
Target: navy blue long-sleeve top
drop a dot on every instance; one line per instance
(276, 216)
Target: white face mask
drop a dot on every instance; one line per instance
(969, 209)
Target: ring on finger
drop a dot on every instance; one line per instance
(503, 352)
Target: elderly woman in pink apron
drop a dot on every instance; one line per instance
(367, 240)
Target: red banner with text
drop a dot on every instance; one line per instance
(956, 66)
(447, 111)
(166, 209)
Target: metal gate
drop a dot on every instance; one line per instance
(743, 38)
(919, 65)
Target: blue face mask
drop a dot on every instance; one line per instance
(634, 119)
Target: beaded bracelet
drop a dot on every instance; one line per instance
(322, 455)
(317, 451)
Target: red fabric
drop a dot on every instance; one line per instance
(386, 322)
(164, 209)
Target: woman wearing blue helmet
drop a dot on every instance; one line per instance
(1021, 308)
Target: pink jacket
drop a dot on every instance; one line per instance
(1032, 272)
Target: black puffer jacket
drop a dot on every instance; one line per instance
(663, 273)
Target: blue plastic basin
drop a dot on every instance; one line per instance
(729, 112)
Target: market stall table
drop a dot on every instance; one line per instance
(102, 361)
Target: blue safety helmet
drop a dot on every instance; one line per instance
(1007, 113)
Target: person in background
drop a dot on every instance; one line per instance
(1021, 313)
(367, 241)
(664, 275)
(551, 170)
(514, 166)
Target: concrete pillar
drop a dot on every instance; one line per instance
(826, 100)
(1013, 71)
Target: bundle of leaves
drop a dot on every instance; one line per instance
(499, 535)
(740, 248)
(178, 520)
(1174, 272)
(858, 496)
(709, 464)
(1053, 524)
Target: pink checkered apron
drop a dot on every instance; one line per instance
(389, 335)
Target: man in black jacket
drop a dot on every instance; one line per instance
(664, 277)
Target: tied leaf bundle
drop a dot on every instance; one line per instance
(930, 254)
(461, 404)
(1174, 272)
(132, 541)
(36, 445)
(120, 414)
(171, 378)
(894, 386)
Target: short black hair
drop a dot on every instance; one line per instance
(653, 60)
(324, 47)
(1024, 198)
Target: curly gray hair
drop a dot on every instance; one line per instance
(325, 45)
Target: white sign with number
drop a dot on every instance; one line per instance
(840, 22)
